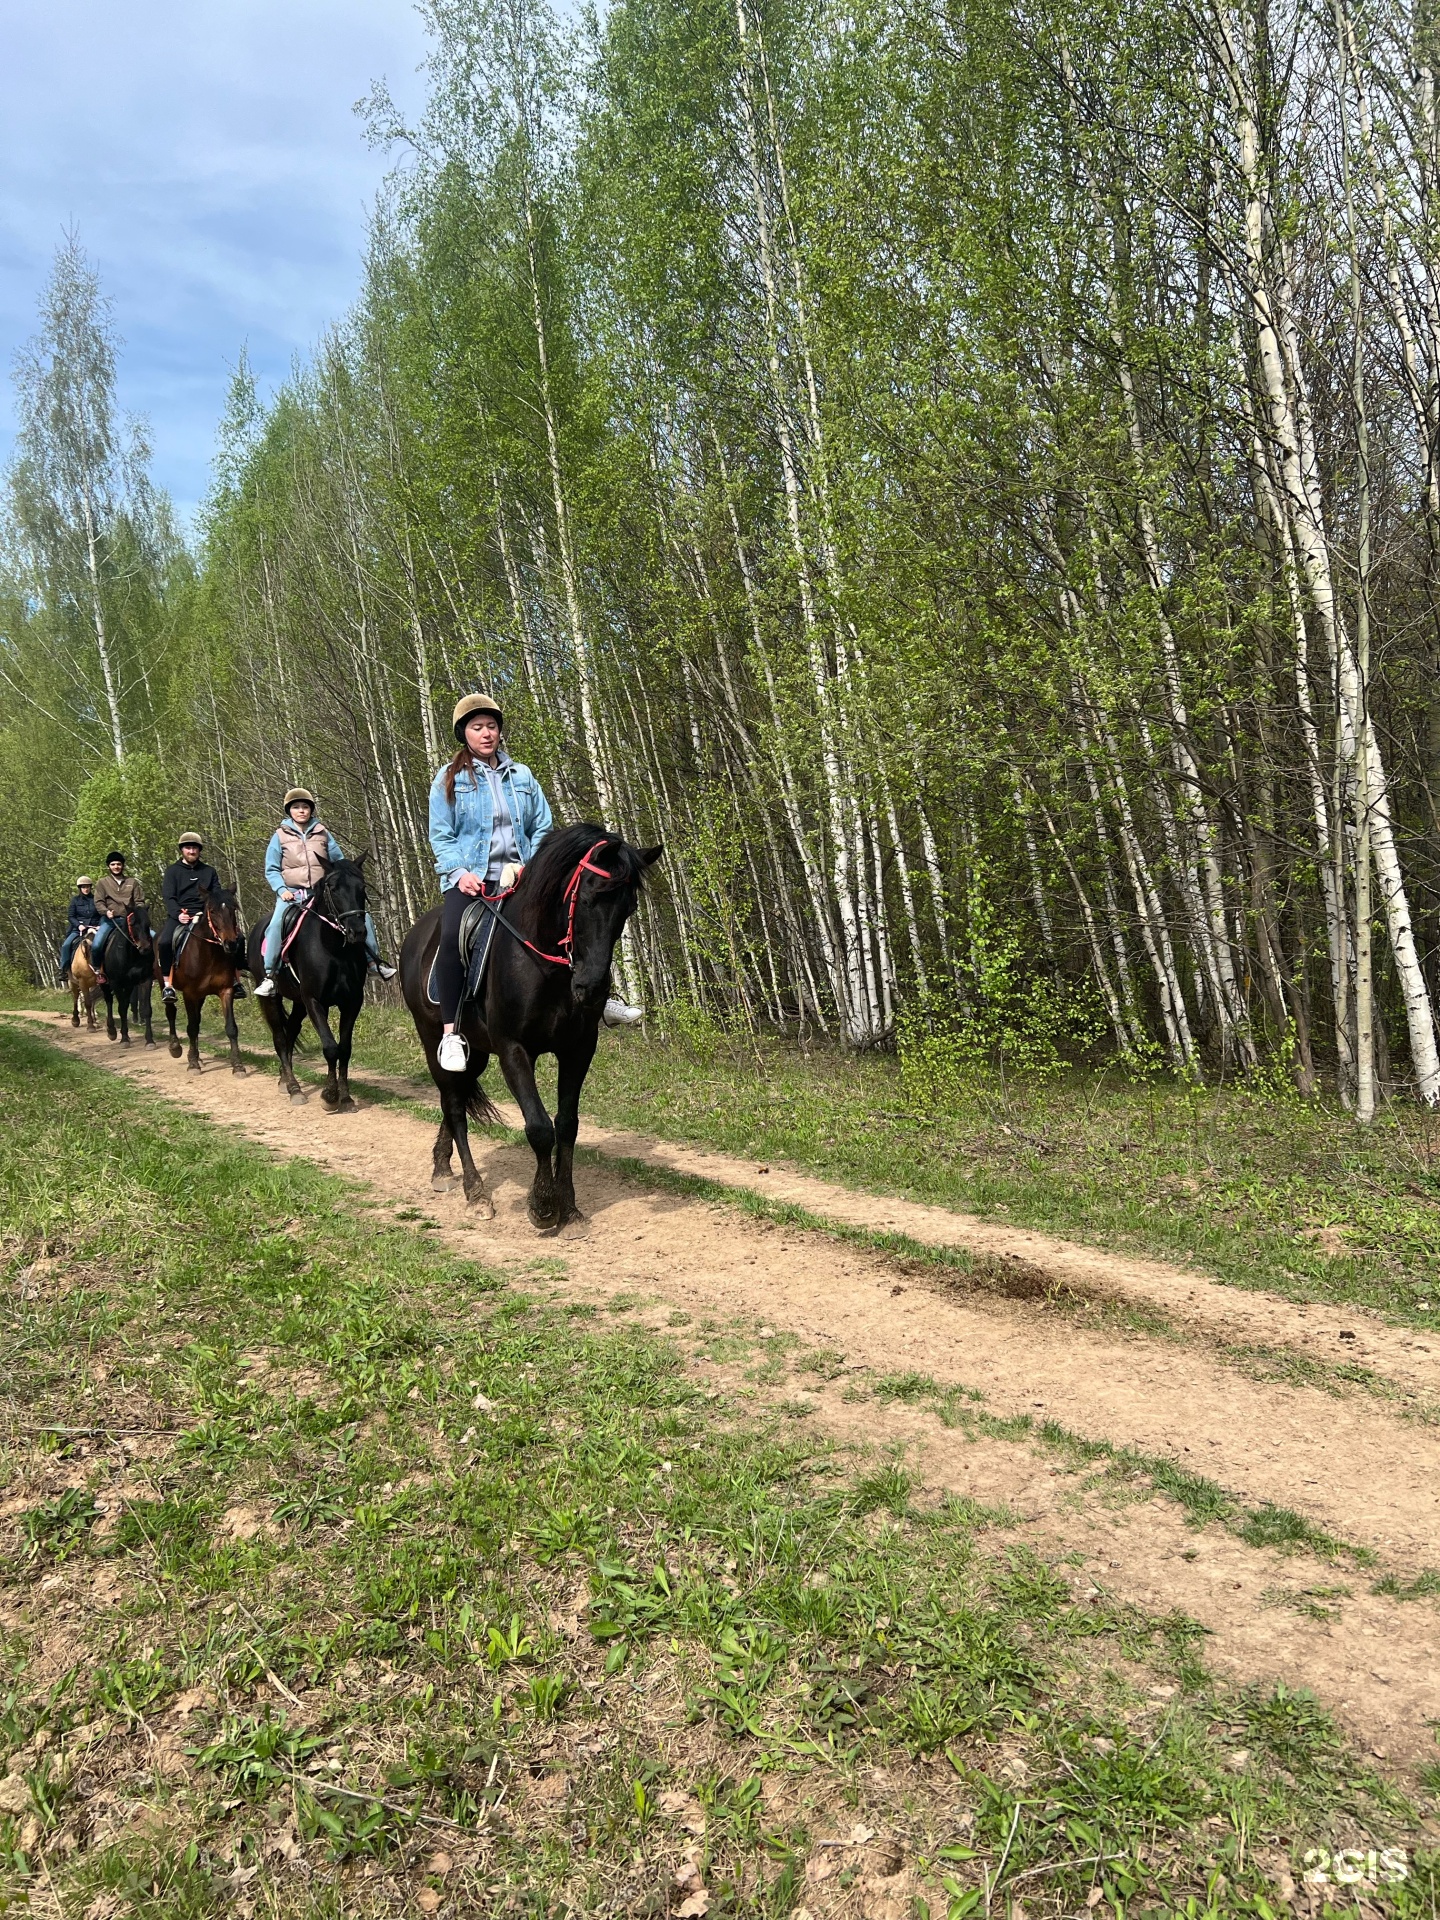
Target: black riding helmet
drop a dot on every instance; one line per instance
(114, 855)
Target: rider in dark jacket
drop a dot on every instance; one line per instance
(186, 879)
(83, 914)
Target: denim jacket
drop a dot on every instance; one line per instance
(460, 832)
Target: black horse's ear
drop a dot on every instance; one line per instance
(362, 857)
(649, 855)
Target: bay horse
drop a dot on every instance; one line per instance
(324, 966)
(129, 972)
(209, 961)
(83, 984)
(545, 987)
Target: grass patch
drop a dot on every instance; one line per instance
(370, 1559)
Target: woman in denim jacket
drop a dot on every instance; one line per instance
(488, 814)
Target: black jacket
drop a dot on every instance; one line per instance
(183, 885)
(83, 912)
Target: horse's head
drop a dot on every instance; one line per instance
(340, 896)
(222, 922)
(606, 874)
(136, 928)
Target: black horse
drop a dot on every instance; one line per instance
(544, 992)
(128, 963)
(324, 967)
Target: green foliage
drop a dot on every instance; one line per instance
(133, 806)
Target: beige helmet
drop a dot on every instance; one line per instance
(189, 840)
(84, 880)
(472, 704)
(296, 793)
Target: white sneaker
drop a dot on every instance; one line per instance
(266, 989)
(617, 1014)
(454, 1053)
(384, 972)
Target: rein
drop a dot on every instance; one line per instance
(571, 897)
(308, 906)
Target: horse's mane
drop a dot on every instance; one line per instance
(547, 873)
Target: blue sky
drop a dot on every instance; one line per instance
(207, 154)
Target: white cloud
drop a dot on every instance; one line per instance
(210, 159)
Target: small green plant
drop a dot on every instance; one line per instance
(547, 1694)
(58, 1527)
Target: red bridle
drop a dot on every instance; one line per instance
(571, 897)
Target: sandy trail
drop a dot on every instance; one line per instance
(1344, 1462)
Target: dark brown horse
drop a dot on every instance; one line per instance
(209, 961)
(544, 992)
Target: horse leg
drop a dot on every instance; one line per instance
(454, 1101)
(441, 1178)
(519, 1071)
(319, 1019)
(143, 1008)
(348, 1017)
(193, 1011)
(108, 991)
(573, 1069)
(175, 1048)
(75, 1004)
(287, 1032)
(232, 1032)
(124, 998)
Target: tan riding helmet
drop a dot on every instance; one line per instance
(84, 880)
(472, 704)
(189, 840)
(296, 793)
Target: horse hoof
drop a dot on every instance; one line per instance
(299, 1099)
(348, 1105)
(74, 1019)
(175, 1049)
(195, 1067)
(443, 1183)
(481, 1205)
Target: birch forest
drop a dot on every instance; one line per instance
(965, 477)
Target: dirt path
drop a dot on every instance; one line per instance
(1346, 1336)
(1344, 1462)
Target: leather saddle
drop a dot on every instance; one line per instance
(477, 931)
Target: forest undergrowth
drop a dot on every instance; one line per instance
(339, 1571)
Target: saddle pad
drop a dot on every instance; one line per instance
(477, 930)
(182, 938)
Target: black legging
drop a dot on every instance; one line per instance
(167, 946)
(449, 974)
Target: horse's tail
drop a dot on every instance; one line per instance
(481, 1108)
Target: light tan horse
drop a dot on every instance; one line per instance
(83, 984)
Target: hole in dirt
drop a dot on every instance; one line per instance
(1004, 1274)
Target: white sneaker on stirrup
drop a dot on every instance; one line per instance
(618, 1014)
(266, 988)
(454, 1053)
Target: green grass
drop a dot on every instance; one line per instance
(372, 1558)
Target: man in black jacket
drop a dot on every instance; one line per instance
(186, 879)
(83, 914)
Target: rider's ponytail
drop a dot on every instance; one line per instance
(464, 762)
